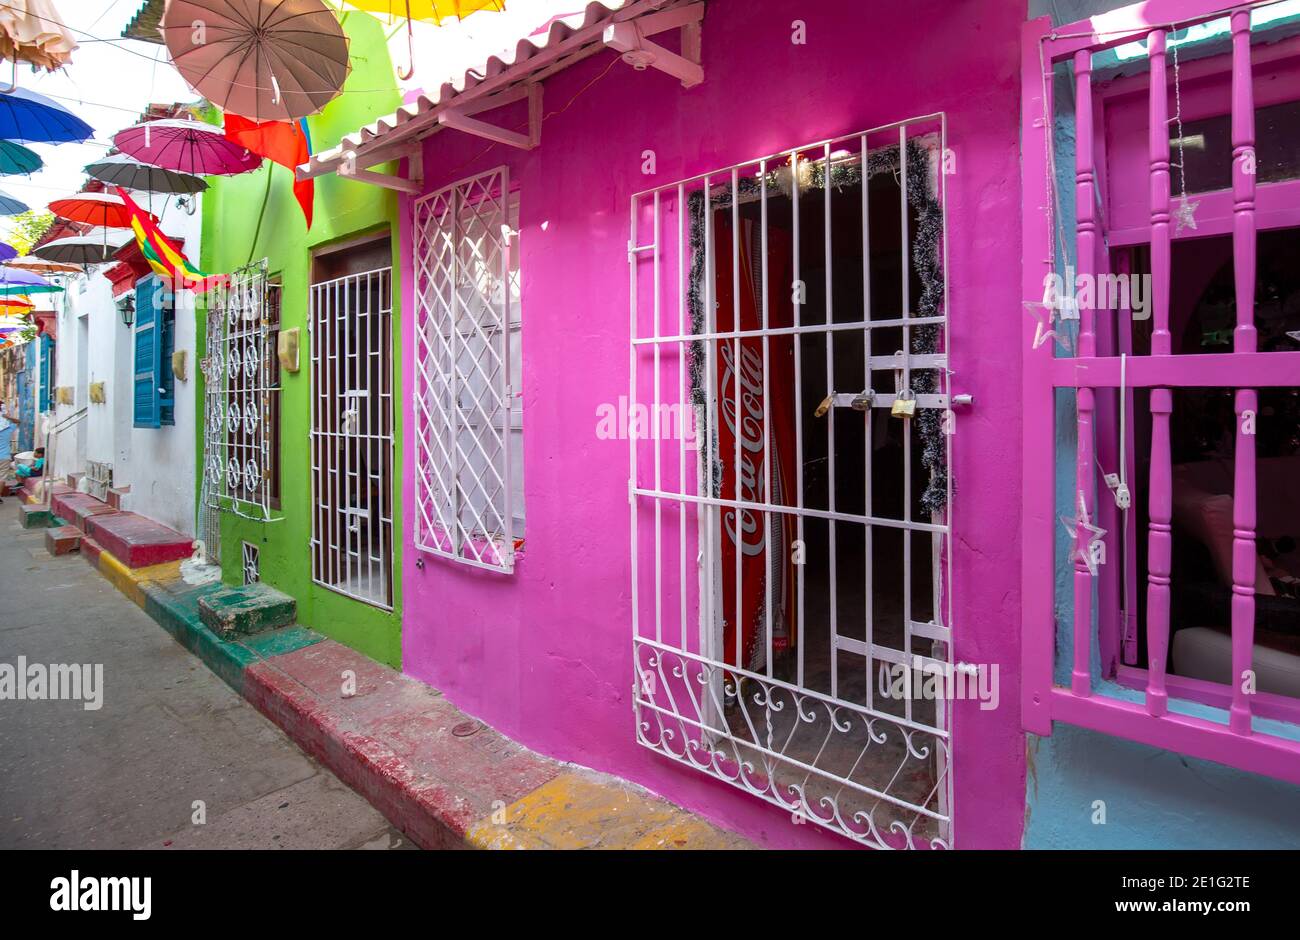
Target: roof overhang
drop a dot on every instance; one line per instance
(622, 25)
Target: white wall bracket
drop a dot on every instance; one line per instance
(630, 38)
(461, 119)
(411, 184)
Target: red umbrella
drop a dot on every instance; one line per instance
(98, 209)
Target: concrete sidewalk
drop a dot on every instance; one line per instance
(439, 776)
(169, 733)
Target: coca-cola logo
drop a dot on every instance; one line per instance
(747, 427)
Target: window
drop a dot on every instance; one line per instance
(241, 399)
(352, 420)
(45, 400)
(155, 338)
(1179, 612)
(790, 520)
(252, 564)
(469, 416)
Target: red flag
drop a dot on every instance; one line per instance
(282, 142)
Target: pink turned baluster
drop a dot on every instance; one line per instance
(1243, 341)
(1160, 506)
(1086, 247)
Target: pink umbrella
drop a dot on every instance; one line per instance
(187, 146)
(266, 60)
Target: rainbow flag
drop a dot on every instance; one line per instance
(162, 254)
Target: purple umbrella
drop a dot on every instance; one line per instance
(186, 146)
(7, 252)
(16, 281)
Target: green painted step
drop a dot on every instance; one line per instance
(241, 611)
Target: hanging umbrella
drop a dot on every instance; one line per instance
(11, 206)
(130, 173)
(24, 282)
(37, 266)
(16, 305)
(15, 158)
(430, 11)
(27, 116)
(7, 252)
(96, 247)
(268, 60)
(32, 31)
(188, 146)
(103, 210)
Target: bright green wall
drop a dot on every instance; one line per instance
(343, 210)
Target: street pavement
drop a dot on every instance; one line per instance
(173, 758)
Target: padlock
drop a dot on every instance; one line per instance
(825, 406)
(904, 404)
(863, 401)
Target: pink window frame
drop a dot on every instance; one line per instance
(1236, 743)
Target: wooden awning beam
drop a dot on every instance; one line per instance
(630, 38)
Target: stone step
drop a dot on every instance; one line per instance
(62, 540)
(253, 608)
(136, 541)
(78, 507)
(35, 516)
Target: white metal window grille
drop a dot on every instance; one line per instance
(352, 435)
(252, 563)
(239, 401)
(468, 413)
(99, 478)
(791, 564)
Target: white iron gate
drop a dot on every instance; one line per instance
(240, 386)
(467, 355)
(352, 435)
(791, 563)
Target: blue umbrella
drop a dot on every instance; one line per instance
(28, 116)
(15, 158)
(7, 252)
(11, 206)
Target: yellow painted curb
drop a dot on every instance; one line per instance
(584, 810)
(121, 577)
(130, 581)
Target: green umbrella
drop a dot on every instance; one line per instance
(15, 158)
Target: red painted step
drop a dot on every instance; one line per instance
(64, 539)
(75, 508)
(135, 541)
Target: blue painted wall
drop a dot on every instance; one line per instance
(1152, 798)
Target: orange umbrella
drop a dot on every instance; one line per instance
(99, 209)
(32, 31)
(38, 266)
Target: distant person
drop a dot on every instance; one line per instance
(7, 429)
(36, 469)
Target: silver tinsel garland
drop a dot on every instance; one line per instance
(926, 260)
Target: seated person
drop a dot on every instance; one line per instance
(36, 469)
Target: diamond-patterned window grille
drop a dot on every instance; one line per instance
(468, 412)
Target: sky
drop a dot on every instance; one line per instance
(111, 80)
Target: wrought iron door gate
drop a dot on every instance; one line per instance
(352, 435)
(788, 417)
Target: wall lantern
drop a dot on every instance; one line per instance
(126, 307)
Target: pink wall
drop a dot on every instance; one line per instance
(545, 655)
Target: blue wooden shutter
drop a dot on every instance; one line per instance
(47, 346)
(166, 379)
(147, 351)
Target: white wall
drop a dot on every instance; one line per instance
(161, 467)
(157, 464)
